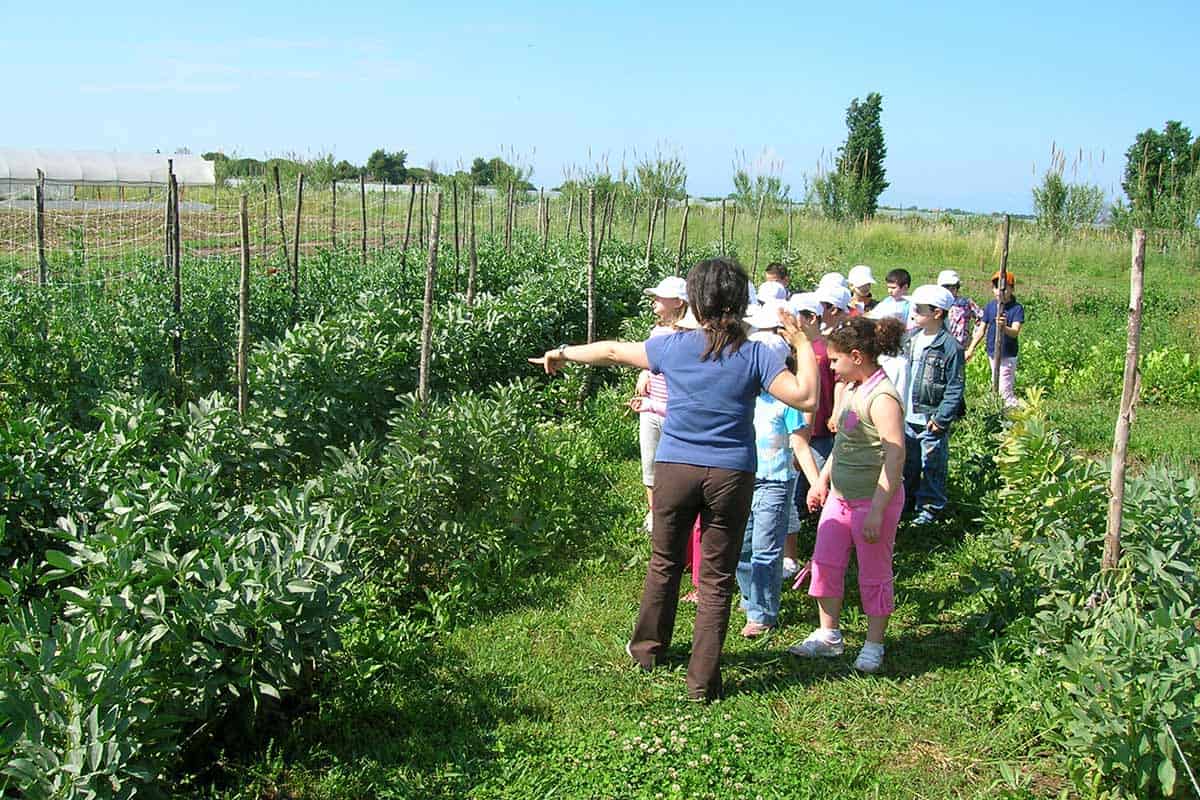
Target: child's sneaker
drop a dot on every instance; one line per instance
(790, 568)
(925, 517)
(870, 658)
(820, 644)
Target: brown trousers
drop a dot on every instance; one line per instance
(721, 498)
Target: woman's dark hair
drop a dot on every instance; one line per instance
(873, 338)
(718, 289)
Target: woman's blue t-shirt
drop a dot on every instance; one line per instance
(710, 404)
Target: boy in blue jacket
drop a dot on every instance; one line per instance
(933, 400)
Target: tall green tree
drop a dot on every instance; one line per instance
(388, 167)
(860, 163)
(1162, 178)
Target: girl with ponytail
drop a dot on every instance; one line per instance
(860, 491)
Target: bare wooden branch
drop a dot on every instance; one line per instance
(333, 221)
(296, 239)
(650, 232)
(283, 243)
(998, 341)
(472, 255)
(722, 226)
(454, 208)
(591, 268)
(40, 203)
(762, 201)
(682, 237)
(362, 204)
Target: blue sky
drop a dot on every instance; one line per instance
(973, 99)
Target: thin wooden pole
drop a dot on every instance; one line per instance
(650, 232)
(455, 209)
(296, 243)
(508, 220)
(492, 213)
(762, 201)
(333, 221)
(666, 205)
(606, 219)
(789, 243)
(472, 254)
(427, 307)
(266, 219)
(1129, 393)
(168, 215)
(733, 225)
(383, 220)
(1002, 283)
(243, 350)
(570, 214)
(682, 237)
(591, 268)
(362, 205)
(40, 202)
(722, 226)
(633, 220)
(177, 292)
(283, 245)
(412, 199)
(544, 218)
(421, 218)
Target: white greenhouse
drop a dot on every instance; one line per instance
(64, 170)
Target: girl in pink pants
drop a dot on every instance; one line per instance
(861, 490)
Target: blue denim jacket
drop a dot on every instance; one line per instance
(938, 379)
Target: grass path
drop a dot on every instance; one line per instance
(541, 701)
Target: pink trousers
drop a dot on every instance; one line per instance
(840, 531)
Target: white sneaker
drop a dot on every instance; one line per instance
(870, 658)
(790, 568)
(820, 644)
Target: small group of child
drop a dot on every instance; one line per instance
(892, 378)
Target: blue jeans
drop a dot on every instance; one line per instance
(926, 460)
(760, 567)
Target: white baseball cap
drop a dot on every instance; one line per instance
(837, 296)
(930, 295)
(672, 287)
(765, 316)
(860, 276)
(806, 301)
(772, 290)
(832, 279)
(948, 277)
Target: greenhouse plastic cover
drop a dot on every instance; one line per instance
(87, 166)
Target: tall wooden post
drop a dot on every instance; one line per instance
(1002, 283)
(412, 199)
(243, 350)
(472, 254)
(789, 244)
(362, 205)
(169, 216)
(333, 221)
(633, 221)
(650, 231)
(666, 205)
(733, 225)
(266, 221)
(508, 220)
(1129, 393)
(492, 213)
(591, 268)
(682, 237)
(455, 209)
(40, 203)
(722, 226)
(762, 201)
(283, 245)
(427, 307)
(296, 243)
(383, 220)
(544, 218)
(570, 214)
(421, 217)
(177, 292)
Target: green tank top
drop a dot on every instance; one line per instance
(857, 448)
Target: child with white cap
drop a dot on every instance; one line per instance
(833, 279)
(962, 316)
(763, 320)
(861, 280)
(933, 400)
(775, 287)
(650, 397)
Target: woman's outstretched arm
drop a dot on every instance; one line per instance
(597, 354)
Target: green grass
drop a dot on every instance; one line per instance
(541, 701)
